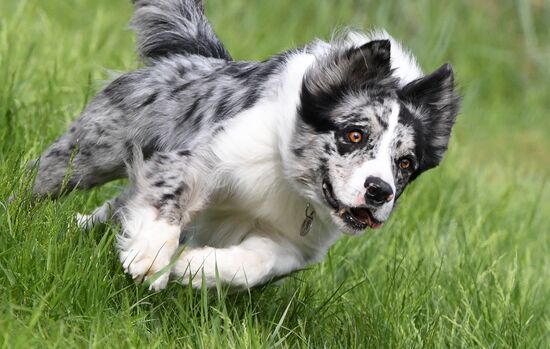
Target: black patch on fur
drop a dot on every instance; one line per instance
(188, 113)
(150, 100)
(299, 152)
(250, 100)
(197, 121)
(179, 190)
(160, 183)
(167, 197)
(184, 153)
(162, 158)
(181, 70)
(314, 109)
(148, 149)
(102, 146)
(120, 88)
(225, 106)
(382, 121)
(55, 154)
(323, 170)
(176, 91)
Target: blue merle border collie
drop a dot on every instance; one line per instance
(255, 167)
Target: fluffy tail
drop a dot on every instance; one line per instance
(167, 27)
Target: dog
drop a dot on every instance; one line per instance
(239, 171)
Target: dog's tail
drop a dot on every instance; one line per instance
(168, 27)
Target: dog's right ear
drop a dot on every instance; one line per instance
(369, 62)
(437, 103)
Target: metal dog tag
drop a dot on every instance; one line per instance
(308, 221)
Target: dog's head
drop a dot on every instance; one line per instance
(361, 136)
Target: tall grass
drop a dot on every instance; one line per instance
(464, 262)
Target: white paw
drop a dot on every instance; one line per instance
(144, 266)
(161, 282)
(84, 221)
(146, 247)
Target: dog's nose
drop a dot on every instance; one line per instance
(378, 191)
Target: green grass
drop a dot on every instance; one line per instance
(464, 262)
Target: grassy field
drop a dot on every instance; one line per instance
(464, 262)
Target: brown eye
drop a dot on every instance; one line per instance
(404, 164)
(355, 136)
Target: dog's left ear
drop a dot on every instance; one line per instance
(437, 102)
(369, 62)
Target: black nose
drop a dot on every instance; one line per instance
(378, 191)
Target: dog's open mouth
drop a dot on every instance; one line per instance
(358, 218)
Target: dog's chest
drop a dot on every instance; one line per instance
(252, 193)
(260, 193)
(249, 207)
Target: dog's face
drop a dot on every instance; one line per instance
(361, 139)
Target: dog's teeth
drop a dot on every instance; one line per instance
(342, 211)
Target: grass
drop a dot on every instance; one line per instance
(464, 262)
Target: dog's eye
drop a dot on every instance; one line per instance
(404, 164)
(355, 136)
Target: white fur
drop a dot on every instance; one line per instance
(147, 245)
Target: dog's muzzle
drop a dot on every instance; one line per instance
(357, 218)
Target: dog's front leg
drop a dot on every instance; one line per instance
(166, 190)
(253, 262)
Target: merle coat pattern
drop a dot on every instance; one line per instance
(256, 166)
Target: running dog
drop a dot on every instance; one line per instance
(255, 167)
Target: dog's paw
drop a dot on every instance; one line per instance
(143, 267)
(160, 282)
(84, 221)
(146, 247)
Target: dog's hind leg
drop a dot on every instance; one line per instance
(90, 153)
(166, 191)
(98, 145)
(103, 213)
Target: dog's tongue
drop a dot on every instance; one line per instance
(375, 225)
(363, 215)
